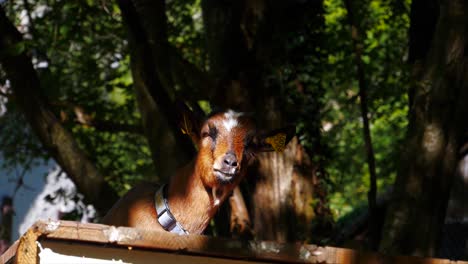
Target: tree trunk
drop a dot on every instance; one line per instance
(156, 68)
(274, 216)
(242, 44)
(363, 90)
(436, 129)
(6, 224)
(283, 196)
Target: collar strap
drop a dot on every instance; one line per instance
(164, 215)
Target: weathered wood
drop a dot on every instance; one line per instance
(127, 255)
(72, 238)
(193, 244)
(8, 256)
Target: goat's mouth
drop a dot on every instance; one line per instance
(224, 177)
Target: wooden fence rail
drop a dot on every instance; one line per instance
(66, 241)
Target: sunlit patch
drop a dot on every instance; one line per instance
(463, 169)
(432, 139)
(3, 99)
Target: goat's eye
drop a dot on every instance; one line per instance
(205, 134)
(211, 132)
(249, 143)
(249, 149)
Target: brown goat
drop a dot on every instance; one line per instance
(227, 142)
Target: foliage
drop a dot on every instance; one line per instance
(185, 30)
(383, 30)
(80, 51)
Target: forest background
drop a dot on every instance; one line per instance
(376, 90)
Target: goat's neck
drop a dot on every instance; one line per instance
(189, 201)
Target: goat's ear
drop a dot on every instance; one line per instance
(190, 122)
(275, 140)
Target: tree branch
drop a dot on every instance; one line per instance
(149, 65)
(86, 119)
(363, 87)
(196, 84)
(171, 67)
(150, 18)
(55, 138)
(9, 96)
(32, 28)
(112, 127)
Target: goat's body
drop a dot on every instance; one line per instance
(188, 201)
(135, 209)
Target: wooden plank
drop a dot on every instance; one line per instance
(102, 236)
(193, 244)
(126, 255)
(357, 257)
(8, 256)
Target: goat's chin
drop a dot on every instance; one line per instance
(224, 178)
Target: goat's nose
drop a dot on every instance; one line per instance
(230, 159)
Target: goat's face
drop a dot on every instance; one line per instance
(227, 141)
(225, 147)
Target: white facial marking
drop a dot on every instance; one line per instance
(205, 143)
(231, 119)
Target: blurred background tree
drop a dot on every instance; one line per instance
(92, 84)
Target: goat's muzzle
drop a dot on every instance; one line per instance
(228, 169)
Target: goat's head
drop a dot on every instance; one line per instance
(227, 141)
